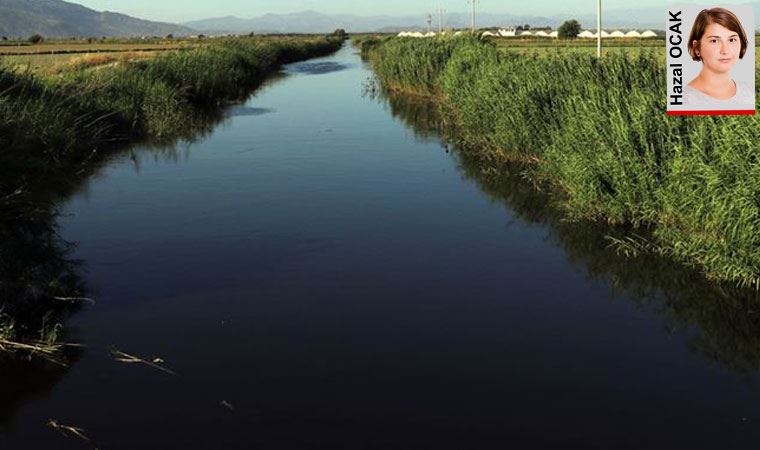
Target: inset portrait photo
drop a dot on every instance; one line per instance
(710, 60)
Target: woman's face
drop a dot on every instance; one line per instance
(719, 48)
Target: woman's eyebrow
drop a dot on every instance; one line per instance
(718, 37)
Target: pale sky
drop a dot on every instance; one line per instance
(184, 10)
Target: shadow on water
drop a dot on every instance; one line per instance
(317, 68)
(722, 323)
(30, 379)
(40, 283)
(238, 111)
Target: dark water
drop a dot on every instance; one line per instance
(322, 272)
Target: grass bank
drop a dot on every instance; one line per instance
(48, 122)
(54, 129)
(67, 115)
(595, 134)
(720, 319)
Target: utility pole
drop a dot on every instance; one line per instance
(430, 22)
(599, 29)
(474, 4)
(440, 12)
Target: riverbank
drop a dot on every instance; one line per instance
(595, 134)
(49, 121)
(56, 129)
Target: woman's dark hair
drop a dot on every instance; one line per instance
(722, 17)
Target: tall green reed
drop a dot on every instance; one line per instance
(596, 134)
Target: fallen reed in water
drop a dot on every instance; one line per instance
(155, 362)
(595, 133)
(71, 431)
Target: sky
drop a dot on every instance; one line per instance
(185, 10)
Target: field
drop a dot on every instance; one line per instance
(55, 56)
(585, 46)
(84, 47)
(595, 134)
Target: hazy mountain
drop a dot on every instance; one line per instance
(56, 18)
(315, 22)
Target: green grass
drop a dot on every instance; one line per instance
(48, 118)
(595, 133)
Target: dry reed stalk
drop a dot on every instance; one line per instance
(45, 350)
(132, 359)
(71, 431)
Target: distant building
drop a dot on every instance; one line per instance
(586, 34)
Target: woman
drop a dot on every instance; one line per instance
(719, 41)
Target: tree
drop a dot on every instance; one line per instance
(5, 38)
(36, 38)
(340, 32)
(170, 36)
(569, 30)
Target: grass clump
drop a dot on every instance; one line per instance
(412, 65)
(595, 133)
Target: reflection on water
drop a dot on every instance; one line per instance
(723, 322)
(317, 68)
(40, 284)
(25, 379)
(242, 110)
(37, 277)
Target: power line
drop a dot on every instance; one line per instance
(441, 12)
(474, 4)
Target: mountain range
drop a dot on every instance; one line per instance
(315, 22)
(56, 18)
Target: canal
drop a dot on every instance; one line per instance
(322, 269)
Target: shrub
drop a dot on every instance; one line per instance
(569, 29)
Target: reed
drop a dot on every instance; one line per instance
(88, 104)
(595, 134)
